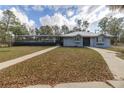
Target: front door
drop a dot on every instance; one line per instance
(86, 41)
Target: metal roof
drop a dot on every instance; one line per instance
(85, 34)
(36, 35)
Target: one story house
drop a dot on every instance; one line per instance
(82, 39)
(74, 39)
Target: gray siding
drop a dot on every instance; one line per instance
(67, 41)
(70, 41)
(106, 43)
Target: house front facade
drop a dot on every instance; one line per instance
(74, 39)
(82, 39)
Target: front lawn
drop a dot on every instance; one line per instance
(118, 49)
(61, 65)
(14, 52)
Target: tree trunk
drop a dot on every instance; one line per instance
(7, 30)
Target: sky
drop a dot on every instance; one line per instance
(36, 16)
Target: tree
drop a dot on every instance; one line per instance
(24, 30)
(103, 24)
(32, 30)
(75, 29)
(115, 7)
(82, 25)
(37, 31)
(45, 30)
(19, 29)
(121, 9)
(65, 29)
(85, 25)
(79, 22)
(56, 30)
(113, 26)
(8, 19)
(2, 34)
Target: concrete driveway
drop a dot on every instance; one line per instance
(115, 64)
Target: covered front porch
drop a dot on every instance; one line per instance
(37, 40)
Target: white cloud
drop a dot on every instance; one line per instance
(38, 8)
(83, 9)
(57, 7)
(1, 14)
(83, 13)
(91, 13)
(70, 13)
(33, 7)
(99, 8)
(56, 19)
(99, 14)
(117, 14)
(23, 18)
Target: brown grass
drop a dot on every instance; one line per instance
(61, 65)
(14, 52)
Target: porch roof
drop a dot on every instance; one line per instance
(36, 35)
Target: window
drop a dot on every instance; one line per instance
(100, 39)
(78, 38)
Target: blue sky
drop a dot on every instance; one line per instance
(35, 16)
